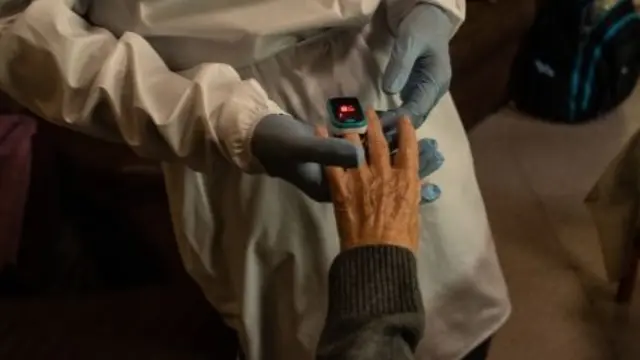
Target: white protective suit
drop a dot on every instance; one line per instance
(184, 81)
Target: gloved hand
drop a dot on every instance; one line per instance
(290, 150)
(419, 67)
(429, 160)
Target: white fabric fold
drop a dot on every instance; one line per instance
(121, 89)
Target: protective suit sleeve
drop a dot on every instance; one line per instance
(66, 71)
(398, 9)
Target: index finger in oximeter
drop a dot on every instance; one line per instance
(346, 116)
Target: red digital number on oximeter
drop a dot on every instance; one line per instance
(347, 109)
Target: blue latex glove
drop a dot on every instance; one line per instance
(290, 150)
(419, 67)
(430, 160)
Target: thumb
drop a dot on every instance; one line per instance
(328, 152)
(428, 82)
(430, 159)
(401, 62)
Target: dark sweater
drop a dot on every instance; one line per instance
(375, 307)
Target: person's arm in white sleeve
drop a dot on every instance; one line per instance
(66, 71)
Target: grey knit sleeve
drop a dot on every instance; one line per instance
(375, 308)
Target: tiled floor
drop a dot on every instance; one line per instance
(534, 177)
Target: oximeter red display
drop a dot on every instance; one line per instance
(346, 112)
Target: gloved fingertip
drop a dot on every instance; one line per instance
(429, 167)
(346, 155)
(428, 144)
(430, 193)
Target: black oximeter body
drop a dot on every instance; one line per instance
(347, 116)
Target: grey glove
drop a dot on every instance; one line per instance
(419, 67)
(420, 70)
(290, 150)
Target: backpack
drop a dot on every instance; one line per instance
(577, 63)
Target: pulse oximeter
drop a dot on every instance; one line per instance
(347, 116)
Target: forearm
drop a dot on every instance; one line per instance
(63, 69)
(375, 307)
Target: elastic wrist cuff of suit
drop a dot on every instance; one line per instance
(236, 123)
(373, 281)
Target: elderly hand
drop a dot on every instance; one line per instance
(378, 203)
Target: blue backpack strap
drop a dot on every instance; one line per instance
(597, 54)
(575, 74)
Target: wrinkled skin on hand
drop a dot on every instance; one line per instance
(378, 203)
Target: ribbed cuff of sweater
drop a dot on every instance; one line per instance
(372, 281)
